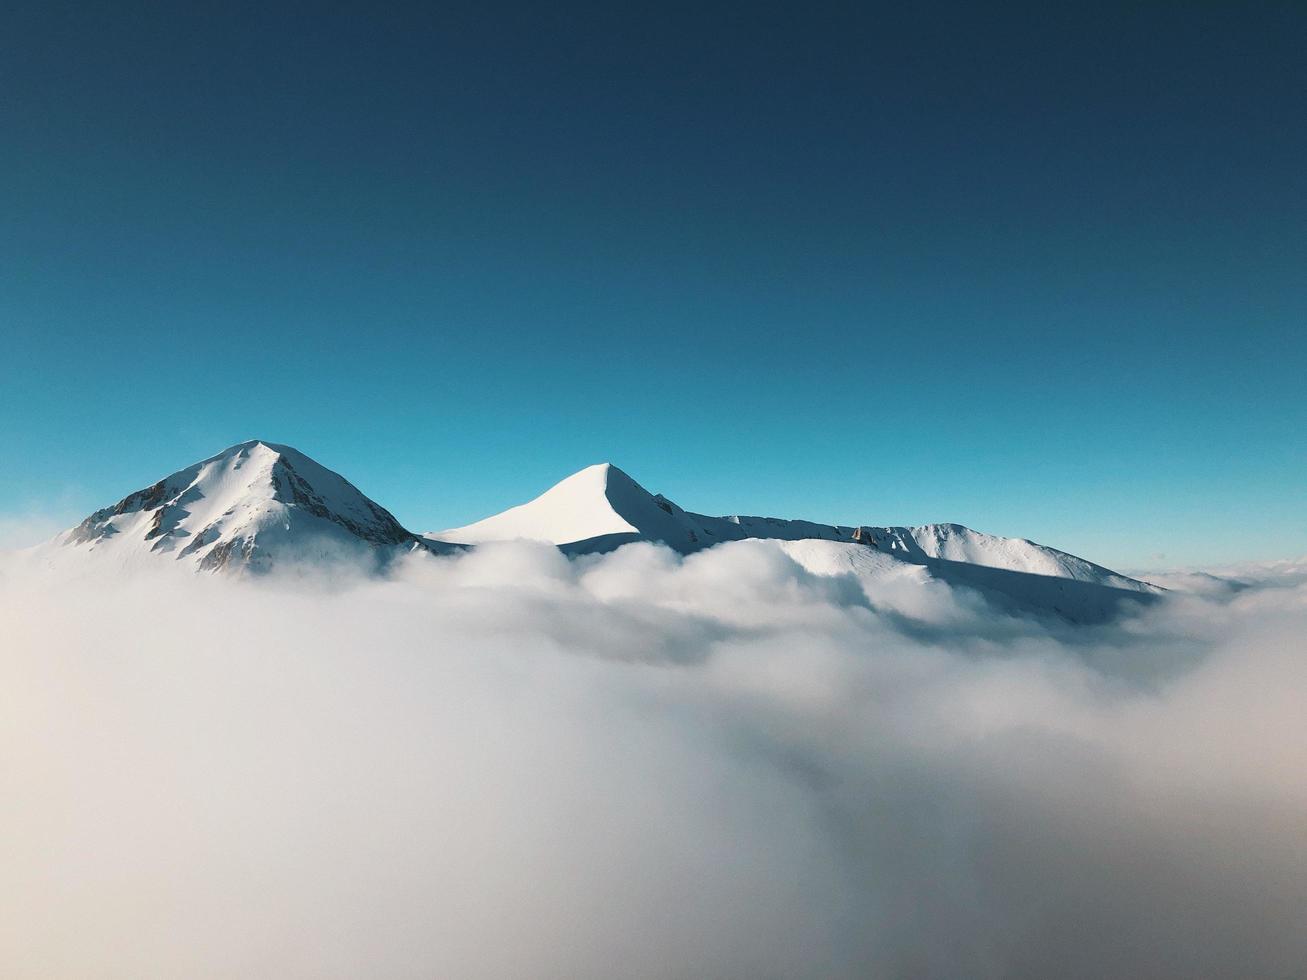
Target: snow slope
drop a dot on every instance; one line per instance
(601, 507)
(597, 502)
(244, 509)
(895, 583)
(261, 504)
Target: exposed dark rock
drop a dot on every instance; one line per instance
(384, 529)
(93, 528)
(201, 540)
(143, 499)
(218, 556)
(156, 525)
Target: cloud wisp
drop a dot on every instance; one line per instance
(509, 764)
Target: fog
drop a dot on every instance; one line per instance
(509, 764)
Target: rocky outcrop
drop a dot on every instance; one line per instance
(381, 529)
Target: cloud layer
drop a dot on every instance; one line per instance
(508, 764)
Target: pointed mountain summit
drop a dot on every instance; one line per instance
(249, 505)
(601, 508)
(595, 509)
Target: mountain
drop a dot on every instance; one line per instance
(260, 504)
(596, 509)
(250, 506)
(601, 508)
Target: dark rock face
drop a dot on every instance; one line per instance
(93, 528)
(226, 553)
(381, 529)
(201, 540)
(100, 524)
(143, 499)
(156, 525)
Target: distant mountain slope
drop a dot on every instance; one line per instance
(601, 507)
(1012, 591)
(598, 503)
(260, 504)
(955, 543)
(245, 508)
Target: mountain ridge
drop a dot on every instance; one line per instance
(260, 504)
(635, 514)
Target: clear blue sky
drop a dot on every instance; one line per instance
(1035, 269)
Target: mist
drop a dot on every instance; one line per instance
(512, 764)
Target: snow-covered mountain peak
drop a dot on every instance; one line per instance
(599, 479)
(241, 508)
(600, 508)
(600, 505)
(259, 503)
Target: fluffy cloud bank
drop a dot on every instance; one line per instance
(511, 765)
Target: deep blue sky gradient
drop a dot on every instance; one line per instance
(1040, 269)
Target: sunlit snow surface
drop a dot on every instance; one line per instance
(260, 505)
(601, 508)
(245, 508)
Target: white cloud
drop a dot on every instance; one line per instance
(509, 764)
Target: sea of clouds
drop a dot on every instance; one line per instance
(508, 764)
